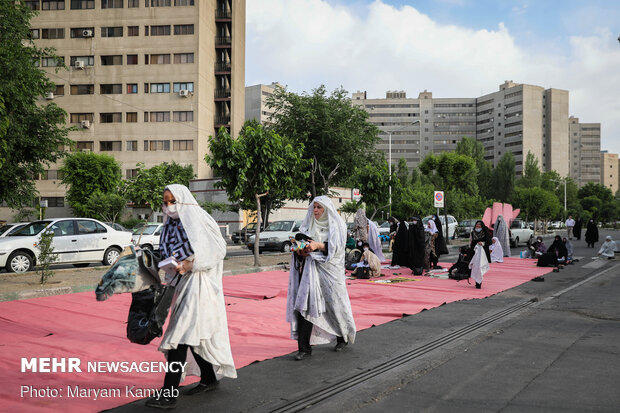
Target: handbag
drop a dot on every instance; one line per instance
(148, 312)
(362, 273)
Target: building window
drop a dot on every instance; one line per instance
(34, 5)
(86, 60)
(132, 88)
(180, 29)
(53, 5)
(159, 88)
(183, 58)
(58, 33)
(82, 4)
(116, 146)
(183, 3)
(183, 116)
(132, 4)
(111, 4)
(146, 30)
(79, 117)
(54, 201)
(133, 31)
(112, 60)
(52, 61)
(111, 89)
(157, 59)
(51, 175)
(60, 90)
(34, 33)
(82, 89)
(163, 30)
(159, 117)
(132, 59)
(82, 32)
(85, 146)
(132, 146)
(131, 117)
(178, 86)
(183, 145)
(115, 117)
(131, 173)
(157, 3)
(112, 31)
(162, 145)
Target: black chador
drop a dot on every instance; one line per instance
(401, 245)
(416, 246)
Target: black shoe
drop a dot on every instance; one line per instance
(302, 355)
(165, 403)
(478, 285)
(340, 346)
(203, 387)
(539, 279)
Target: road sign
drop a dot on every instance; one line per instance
(43, 203)
(356, 195)
(438, 199)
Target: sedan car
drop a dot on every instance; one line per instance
(77, 241)
(147, 236)
(8, 229)
(452, 224)
(465, 227)
(276, 236)
(244, 234)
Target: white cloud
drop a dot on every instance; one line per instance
(305, 43)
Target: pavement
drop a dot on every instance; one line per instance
(540, 347)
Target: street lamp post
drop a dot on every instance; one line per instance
(390, 155)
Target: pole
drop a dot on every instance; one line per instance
(564, 195)
(390, 167)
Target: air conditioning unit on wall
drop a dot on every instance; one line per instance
(49, 96)
(79, 64)
(87, 33)
(184, 93)
(85, 124)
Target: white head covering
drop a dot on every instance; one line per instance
(204, 235)
(608, 238)
(374, 241)
(335, 232)
(432, 229)
(497, 252)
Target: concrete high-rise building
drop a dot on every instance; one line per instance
(256, 102)
(609, 171)
(585, 151)
(517, 118)
(148, 80)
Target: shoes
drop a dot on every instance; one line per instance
(340, 346)
(478, 285)
(539, 279)
(165, 403)
(203, 387)
(556, 269)
(302, 355)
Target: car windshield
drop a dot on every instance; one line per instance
(468, 223)
(145, 230)
(251, 227)
(31, 229)
(280, 226)
(385, 225)
(516, 224)
(4, 228)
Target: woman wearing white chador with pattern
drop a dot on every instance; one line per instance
(497, 253)
(318, 305)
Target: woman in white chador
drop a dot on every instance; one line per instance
(374, 241)
(318, 305)
(479, 265)
(497, 252)
(198, 313)
(608, 249)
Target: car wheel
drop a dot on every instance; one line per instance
(111, 255)
(286, 246)
(81, 264)
(147, 247)
(19, 262)
(516, 242)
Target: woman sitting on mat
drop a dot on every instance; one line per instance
(497, 253)
(318, 305)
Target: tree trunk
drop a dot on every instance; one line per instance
(257, 235)
(312, 170)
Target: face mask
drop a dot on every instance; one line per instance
(365, 249)
(415, 222)
(171, 211)
(478, 229)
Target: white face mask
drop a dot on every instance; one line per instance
(415, 222)
(365, 249)
(171, 211)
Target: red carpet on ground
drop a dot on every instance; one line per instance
(75, 325)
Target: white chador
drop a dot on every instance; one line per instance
(497, 252)
(374, 241)
(198, 312)
(608, 249)
(479, 264)
(321, 295)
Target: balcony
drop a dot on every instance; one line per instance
(222, 93)
(223, 40)
(221, 120)
(223, 14)
(222, 67)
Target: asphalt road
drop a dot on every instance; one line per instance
(540, 347)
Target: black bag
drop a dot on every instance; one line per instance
(362, 273)
(457, 275)
(148, 313)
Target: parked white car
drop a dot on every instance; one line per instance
(520, 231)
(147, 236)
(77, 241)
(384, 229)
(8, 229)
(452, 224)
(276, 236)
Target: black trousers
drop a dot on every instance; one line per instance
(304, 331)
(179, 354)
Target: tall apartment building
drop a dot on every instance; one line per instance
(256, 102)
(609, 171)
(517, 118)
(148, 80)
(585, 147)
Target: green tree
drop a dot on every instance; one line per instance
(105, 206)
(373, 180)
(348, 208)
(413, 201)
(450, 171)
(402, 172)
(536, 203)
(86, 173)
(46, 256)
(147, 187)
(475, 150)
(32, 135)
(257, 163)
(504, 177)
(598, 190)
(532, 176)
(335, 135)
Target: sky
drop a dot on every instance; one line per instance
(452, 48)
